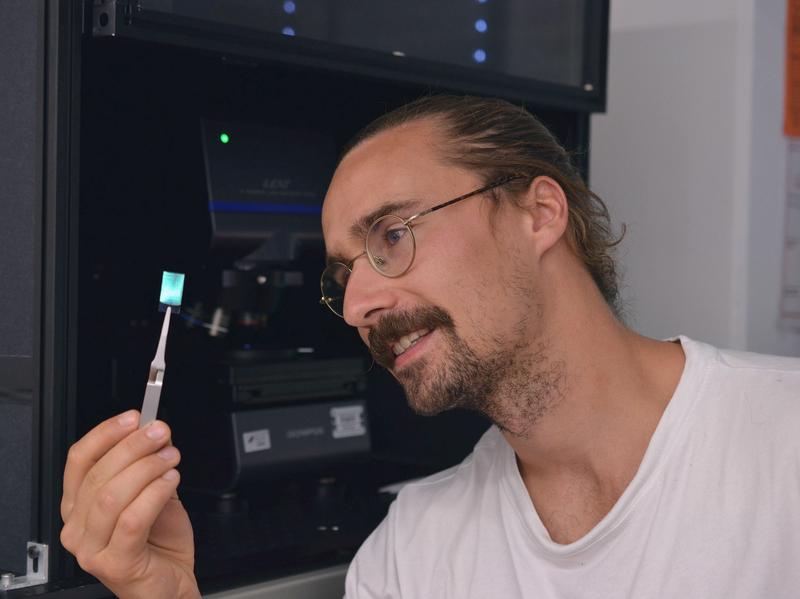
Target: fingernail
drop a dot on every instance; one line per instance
(156, 430)
(168, 453)
(127, 419)
(170, 474)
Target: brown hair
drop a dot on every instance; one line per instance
(495, 139)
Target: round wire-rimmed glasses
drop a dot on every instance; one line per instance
(389, 245)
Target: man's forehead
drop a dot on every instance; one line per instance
(395, 166)
(386, 161)
(347, 217)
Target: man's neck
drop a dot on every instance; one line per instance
(579, 457)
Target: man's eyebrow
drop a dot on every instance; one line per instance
(358, 230)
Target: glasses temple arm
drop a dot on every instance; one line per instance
(497, 183)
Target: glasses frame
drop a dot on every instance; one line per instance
(406, 222)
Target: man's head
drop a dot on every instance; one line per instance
(472, 301)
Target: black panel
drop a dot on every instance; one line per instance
(573, 76)
(21, 27)
(15, 485)
(136, 116)
(20, 164)
(539, 40)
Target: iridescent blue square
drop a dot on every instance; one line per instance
(171, 288)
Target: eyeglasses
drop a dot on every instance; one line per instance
(390, 246)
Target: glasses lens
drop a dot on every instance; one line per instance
(390, 246)
(332, 284)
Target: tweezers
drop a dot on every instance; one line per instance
(152, 393)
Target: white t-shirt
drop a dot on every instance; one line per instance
(712, 512)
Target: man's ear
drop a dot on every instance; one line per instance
(547, 212)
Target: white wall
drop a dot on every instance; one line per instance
(691, 156)
(767, 185)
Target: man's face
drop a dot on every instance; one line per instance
(452, 327)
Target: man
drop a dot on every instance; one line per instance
(476, 266)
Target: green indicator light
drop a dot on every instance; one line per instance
(224, 138)
(171, 288)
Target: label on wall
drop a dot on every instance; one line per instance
(791, 119)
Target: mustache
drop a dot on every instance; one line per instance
(397, 324)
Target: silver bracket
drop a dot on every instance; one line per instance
(36, 570)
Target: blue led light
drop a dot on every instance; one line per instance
(287, 31)
(481, 26)
(479, 55)
(289, 7)
(482, 1)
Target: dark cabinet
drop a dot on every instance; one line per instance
(103, 182)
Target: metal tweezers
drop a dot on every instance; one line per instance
(152, 393)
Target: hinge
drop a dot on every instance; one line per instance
(36, 570)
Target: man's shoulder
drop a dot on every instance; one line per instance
(744, 366)
(760, 376)
(750, 395)
(751, 361)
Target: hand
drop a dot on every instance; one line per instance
(123, 520)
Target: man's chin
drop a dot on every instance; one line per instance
(423, 397)
(424, 406)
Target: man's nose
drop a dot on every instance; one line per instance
(367, 295)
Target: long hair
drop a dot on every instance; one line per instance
(495, 139)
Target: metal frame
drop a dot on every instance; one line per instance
(127, 19)
(595, 71)
(57, 323)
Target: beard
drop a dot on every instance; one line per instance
(513, 383)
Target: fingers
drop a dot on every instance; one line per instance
(111, 503)
(127, 557)
(88, 450)
(137, 445)
(122, 518)
(134, 523)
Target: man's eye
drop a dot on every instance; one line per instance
(393, 236)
